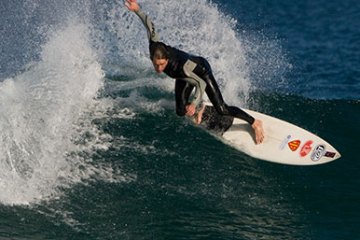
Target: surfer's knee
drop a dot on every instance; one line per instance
(222, 109)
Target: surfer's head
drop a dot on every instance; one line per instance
(159, 56)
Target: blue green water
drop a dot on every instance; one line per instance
(91, 147)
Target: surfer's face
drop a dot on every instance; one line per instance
(160, 64)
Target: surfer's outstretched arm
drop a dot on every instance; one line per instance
(133, 6)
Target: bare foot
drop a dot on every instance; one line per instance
(259, 131)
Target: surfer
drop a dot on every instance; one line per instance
(190, 72)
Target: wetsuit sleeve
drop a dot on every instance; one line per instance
(152, 35)
(194, 80)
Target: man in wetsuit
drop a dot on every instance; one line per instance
(190, 72)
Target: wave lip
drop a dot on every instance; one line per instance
(42, 110)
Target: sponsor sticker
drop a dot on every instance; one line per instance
(330, 154)
(294, 145)
(318, 153)
(284, 142)
(306, 148)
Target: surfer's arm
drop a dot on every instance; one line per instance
(196, 81)
(132, 5)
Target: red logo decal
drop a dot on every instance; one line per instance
(306, 148)
(294, 145)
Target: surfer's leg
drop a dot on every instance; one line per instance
(203, 70)
(216, 99)
(214, 94)
(182, 94)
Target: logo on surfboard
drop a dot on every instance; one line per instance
(294, 145)
(318, 153)
(306, 148)
(284, 142)
(330, 154)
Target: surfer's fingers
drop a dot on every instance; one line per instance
(129, 3)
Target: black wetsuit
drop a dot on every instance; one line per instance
(192, 72)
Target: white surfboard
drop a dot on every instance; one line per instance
(284, 142)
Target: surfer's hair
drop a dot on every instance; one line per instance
(158, 51)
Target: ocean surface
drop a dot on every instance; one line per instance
(91, 147)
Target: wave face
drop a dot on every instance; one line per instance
(41, 112)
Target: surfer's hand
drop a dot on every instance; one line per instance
(132, 5)
(190, 110)
(198, 116)
(259, 131)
